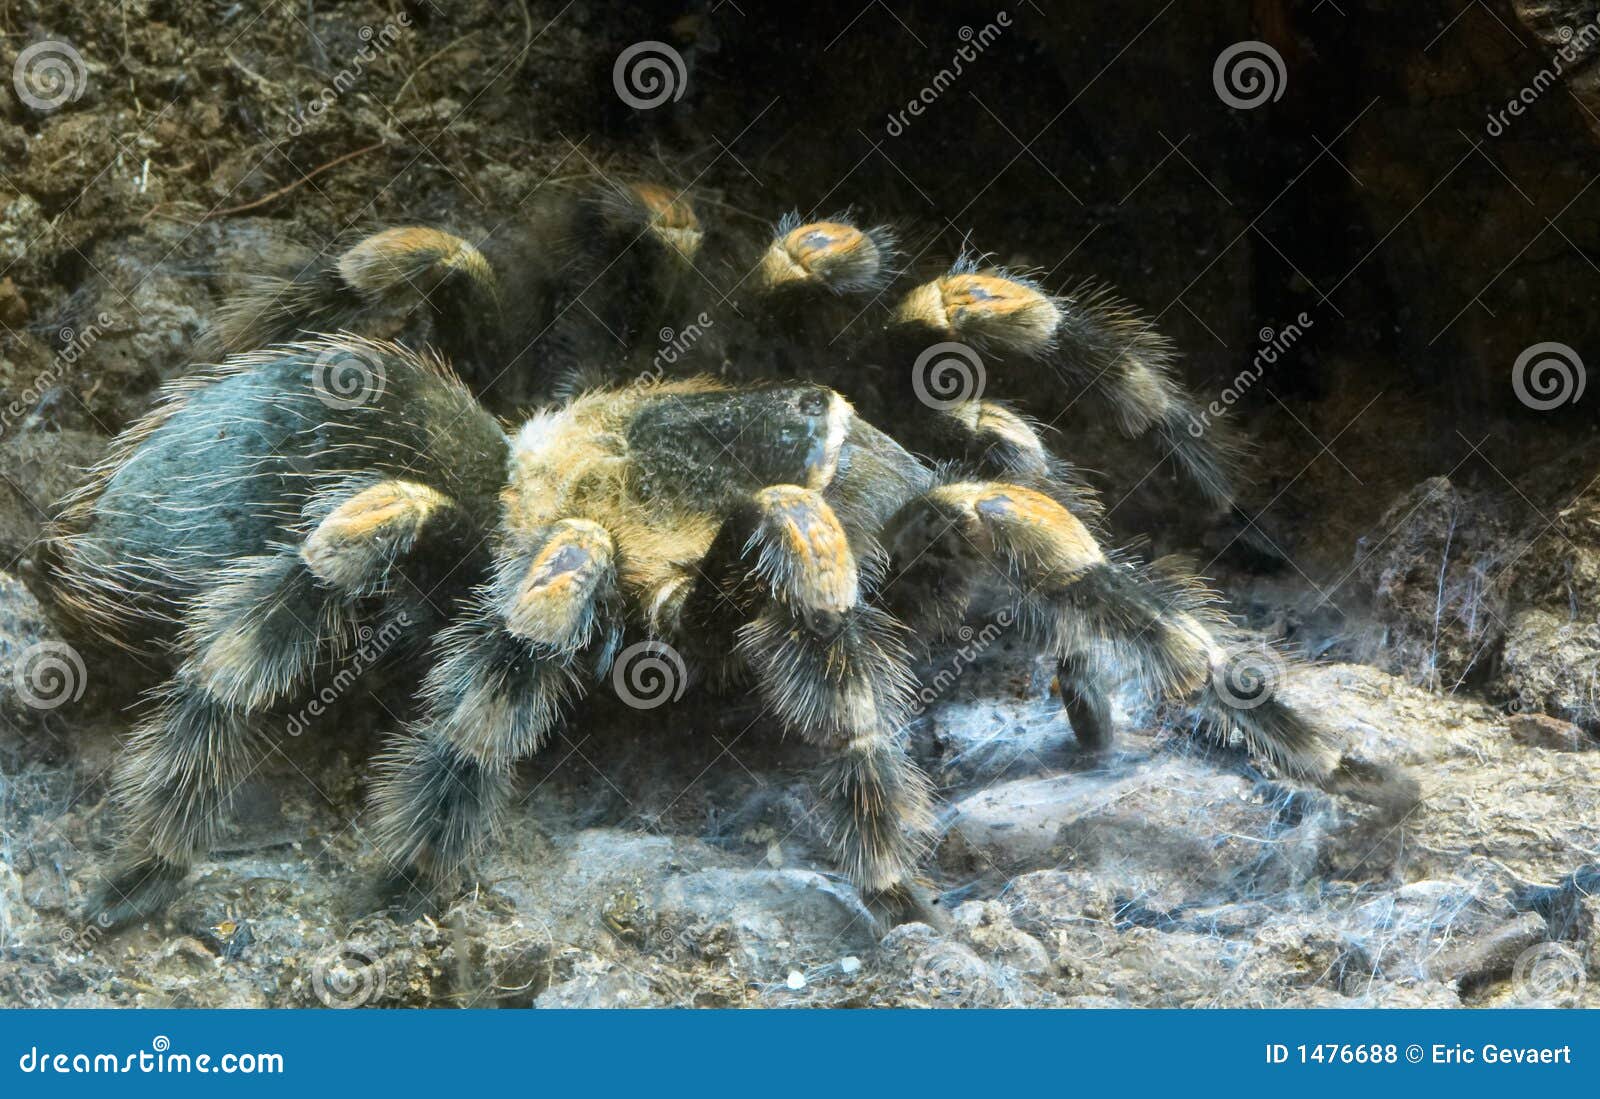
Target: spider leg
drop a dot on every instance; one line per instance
(408, 266)
(828, 663)
(1091, 341)
(602, 275)
(252, 640)
(815, 288)
(967, 543)
(255, 637)
(502, 677)
(818, 285)
(1082, 688)
(989, 440)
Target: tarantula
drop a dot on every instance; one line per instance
(253, 526)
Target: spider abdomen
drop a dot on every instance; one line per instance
(236, 461)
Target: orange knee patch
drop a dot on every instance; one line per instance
(351, 541)
(829, 252)
(990, 421)
(552, 603)
(814, 565)
(1027, 524)
(407, 254)
(671, 218)
(984, 308)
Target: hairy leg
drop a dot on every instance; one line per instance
(394, 271)
(255, 638)
(831, 666)
(967, 542)
(532, 637)
(250, 642)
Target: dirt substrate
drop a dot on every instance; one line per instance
(642, 867)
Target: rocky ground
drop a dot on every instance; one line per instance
(1165, 876)
(1442, 539)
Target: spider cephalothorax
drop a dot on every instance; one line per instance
(258, 520)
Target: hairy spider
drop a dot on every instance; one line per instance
(253, 524)
(274, 507)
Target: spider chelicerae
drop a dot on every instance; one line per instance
(737, 503)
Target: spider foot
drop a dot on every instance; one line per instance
(134, 892)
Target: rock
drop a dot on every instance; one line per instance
(1493, 955)
(986, 927)
(777, 919)
(138, 318)
(1551, 659)
(1544, 731)
(24, 230)
(1161, 829)
(1570, 907)
(42, 679)
(1551, 664)
(13, 306)
(598, 984)
(1434, 562)
(39, 465)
